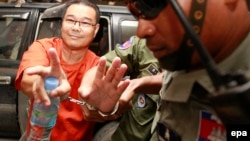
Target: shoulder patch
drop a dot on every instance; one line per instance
(126, 44)
(141, 101)
(152, 69)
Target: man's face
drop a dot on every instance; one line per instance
(79, 26)
(164, 33)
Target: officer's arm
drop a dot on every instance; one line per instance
(147, 84)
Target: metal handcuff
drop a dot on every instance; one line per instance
(90, 107)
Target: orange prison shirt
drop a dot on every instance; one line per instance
(70, 124)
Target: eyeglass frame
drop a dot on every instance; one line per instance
(73, 22)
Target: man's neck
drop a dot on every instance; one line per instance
(73, 56)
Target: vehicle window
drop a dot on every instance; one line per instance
(11, 32)
(128, 28)
(101, 43)
(52, 28)
(49, 28)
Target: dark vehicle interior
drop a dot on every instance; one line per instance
(11, 36)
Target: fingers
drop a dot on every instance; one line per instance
(116, 73)
(54, 59)
(89, 83)
(104, 90)
(101, 68)
(53, 70)
(38, 70)
(39, 93)
(56, 69)
(62, 90)
(112, 71)
(122, 86)
(119, 74)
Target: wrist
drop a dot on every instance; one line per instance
(112, 113)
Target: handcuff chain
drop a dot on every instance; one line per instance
(71, 99)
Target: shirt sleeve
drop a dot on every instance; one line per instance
(35, 55)
(128, 52)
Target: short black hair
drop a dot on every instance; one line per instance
(84, 2)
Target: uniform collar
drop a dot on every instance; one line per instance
(180, 87)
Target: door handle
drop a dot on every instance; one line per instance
(5, 80)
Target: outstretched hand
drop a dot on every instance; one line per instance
(103, 89)
(42, 72)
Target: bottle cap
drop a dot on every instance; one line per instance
(51, 83)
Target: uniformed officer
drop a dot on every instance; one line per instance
(135, 124)
(184, 112)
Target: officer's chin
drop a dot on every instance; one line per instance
(166, 64)
(172, 62)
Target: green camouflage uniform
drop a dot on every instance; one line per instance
(183, 112)
(136, 123)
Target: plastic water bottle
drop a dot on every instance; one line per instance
(43, 118)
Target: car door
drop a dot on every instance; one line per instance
(16, 33)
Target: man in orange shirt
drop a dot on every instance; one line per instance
(67, 58)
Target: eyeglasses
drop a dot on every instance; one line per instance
(147, 9)
(72, 22)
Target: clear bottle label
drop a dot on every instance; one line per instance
(45, 116)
